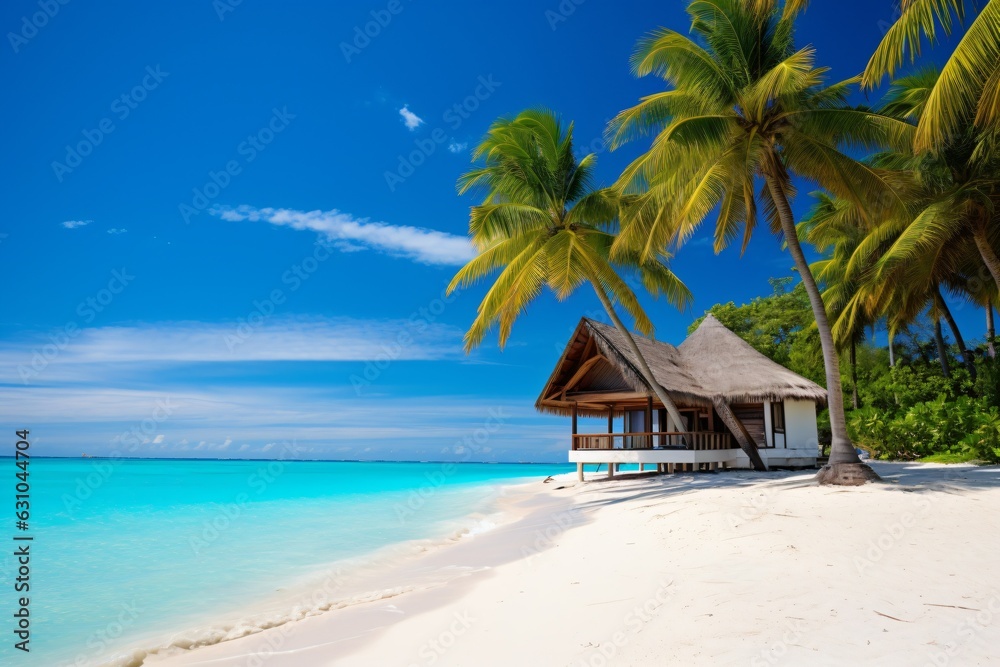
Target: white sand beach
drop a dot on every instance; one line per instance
(688, 569)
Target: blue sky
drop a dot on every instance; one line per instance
(229, 225)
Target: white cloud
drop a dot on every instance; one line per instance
(456, 147)
(116, 230)
(278, 339)
(73, 224)
(410, 119)
(427, 246)
(327, 423)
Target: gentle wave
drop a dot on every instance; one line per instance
(312, 604)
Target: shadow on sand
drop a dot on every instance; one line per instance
(910, 477)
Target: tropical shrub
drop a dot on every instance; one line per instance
(905, 386)
(964, 425)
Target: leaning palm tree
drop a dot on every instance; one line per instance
(543, 224)
(745, 108)
(969, 86)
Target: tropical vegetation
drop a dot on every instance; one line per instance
(542, 223)
(904, 219)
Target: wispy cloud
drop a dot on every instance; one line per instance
(423, 245)
(458, 147)
(340, 339)
(116, 230)
(73, 224)
(210, 421)
(410, 119)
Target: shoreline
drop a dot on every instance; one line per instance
(731, 568)
(408, 567)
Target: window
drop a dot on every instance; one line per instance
(778, 417)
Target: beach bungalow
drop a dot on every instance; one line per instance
(739, 408)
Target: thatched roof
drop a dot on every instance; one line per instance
(713, 361)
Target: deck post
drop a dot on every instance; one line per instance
(611, 426)
(611, 471)
(649, 418)
(579, 472)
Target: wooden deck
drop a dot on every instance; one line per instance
(676, 440)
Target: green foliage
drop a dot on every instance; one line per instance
(902, 387)
(988, 382)
(911, 411)
(963, 426)
(779, 326)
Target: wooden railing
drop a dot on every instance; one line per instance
(671, 440)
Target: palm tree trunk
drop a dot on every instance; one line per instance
(660, 392)
(967, 357)
(854, 374)
(986, 251)
(942, 349)
(892, 353)
(991, 331)
(841, 448)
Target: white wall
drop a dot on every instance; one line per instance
(800, 425)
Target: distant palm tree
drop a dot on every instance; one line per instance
(745, 107)
(858, 296)
(543, 224)
(946, 235)
(955, 191)
(969, 86)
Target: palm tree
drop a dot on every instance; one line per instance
(835, 228)
(969, 86)
(543, 224)
(744, 106)
(952, 195)
(864, 287)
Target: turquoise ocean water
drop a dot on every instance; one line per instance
(130, 553)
